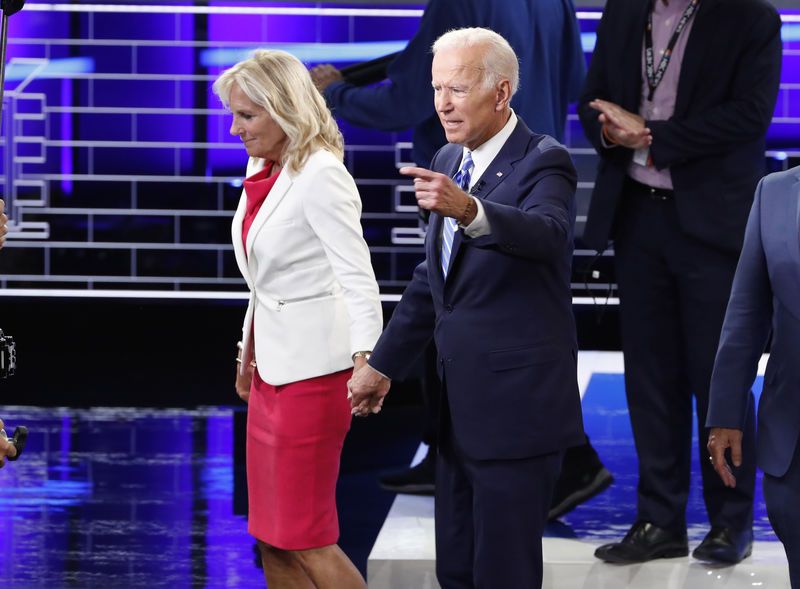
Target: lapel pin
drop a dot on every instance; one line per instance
(499, 174)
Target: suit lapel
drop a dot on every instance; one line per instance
(794, 190)
(276, 195)
(780, 236)
(631, 73)
(696, 47)
(502, 165)
(450, 161)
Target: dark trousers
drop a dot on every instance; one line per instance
(782, 496)
(490, 516)
(674, 291)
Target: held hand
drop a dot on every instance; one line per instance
(366, 390)
(624, 127)
(324, 75)
(437, 192)
(719, 439)
(244, 381)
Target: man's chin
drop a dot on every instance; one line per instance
(453, 136)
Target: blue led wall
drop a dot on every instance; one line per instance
(118, 167)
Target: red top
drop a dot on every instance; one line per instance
(257, 188)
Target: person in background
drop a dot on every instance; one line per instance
(545, 35)
(677, 102)
(314, 313)
(494, 294)
(765, 301)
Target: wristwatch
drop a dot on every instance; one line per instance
(364, 355)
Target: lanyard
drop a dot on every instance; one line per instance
(654, 77)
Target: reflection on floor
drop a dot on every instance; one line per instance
(134, 498)
(130, 498)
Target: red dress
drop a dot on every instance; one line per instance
(295, 434)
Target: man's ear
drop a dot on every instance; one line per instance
(502, 95)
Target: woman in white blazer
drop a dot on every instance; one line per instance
(314, 312)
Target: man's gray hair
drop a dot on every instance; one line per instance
(499, 60)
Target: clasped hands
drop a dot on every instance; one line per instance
(622, 126)
(366, 390)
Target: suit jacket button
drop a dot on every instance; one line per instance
(448, 308)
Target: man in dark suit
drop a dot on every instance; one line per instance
(499, 309)
(677, 101)
(765, 300)
(545, 35)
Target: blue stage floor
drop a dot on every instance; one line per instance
(145, 497)
(610, 514)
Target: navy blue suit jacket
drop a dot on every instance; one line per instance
(714, 142)
(502, 321)
(765, 299)
(543, 33)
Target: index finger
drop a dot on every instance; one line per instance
(417, 172)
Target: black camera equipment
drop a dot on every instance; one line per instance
(8, 355)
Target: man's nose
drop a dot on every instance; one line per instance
(442, 102)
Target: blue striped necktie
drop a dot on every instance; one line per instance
(449, 227)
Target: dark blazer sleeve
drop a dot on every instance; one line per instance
(409, 331)
(597, 81)
(746, 111)
(540, 226)
(745, 330)
(407, 99)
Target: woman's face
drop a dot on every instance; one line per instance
(261, 135)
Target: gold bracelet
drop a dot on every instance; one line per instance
(238, 360)
(364, 355)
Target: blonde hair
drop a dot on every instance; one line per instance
(499, 60)
(280, 83)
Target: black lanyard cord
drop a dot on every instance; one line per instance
(654, 77)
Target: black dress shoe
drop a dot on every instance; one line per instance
(725, 545)
(582, 477)
(643, 542)
(417, 480)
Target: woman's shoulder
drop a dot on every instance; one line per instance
(322, 158)
(322, 166)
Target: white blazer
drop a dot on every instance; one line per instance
(314, 300)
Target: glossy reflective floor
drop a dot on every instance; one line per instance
(134, 498)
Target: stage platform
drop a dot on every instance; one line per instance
(404, 553)
(143, 497)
